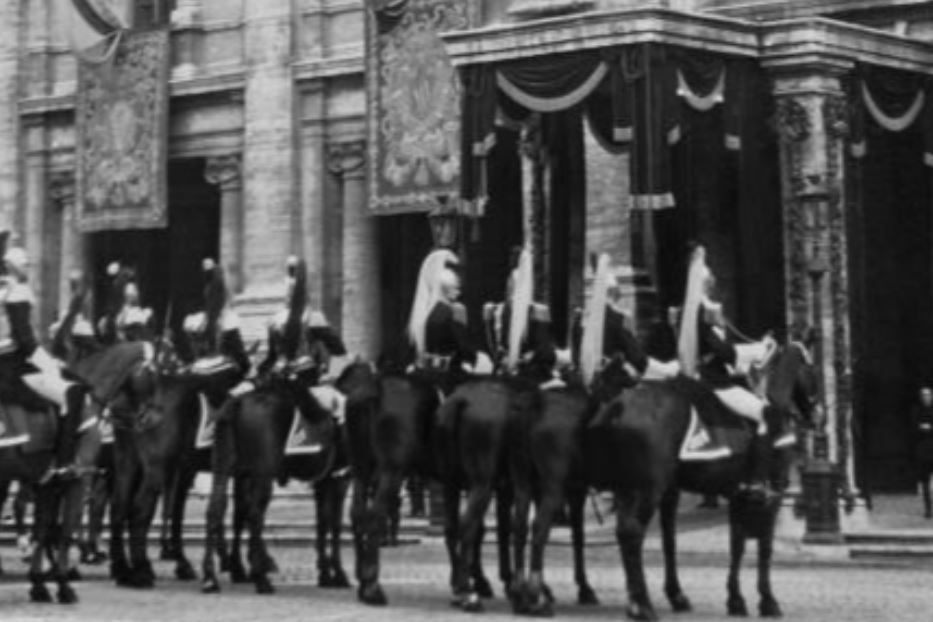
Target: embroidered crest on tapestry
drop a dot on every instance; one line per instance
(121, 119)
(414, 103)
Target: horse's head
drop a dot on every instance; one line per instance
(793, 383)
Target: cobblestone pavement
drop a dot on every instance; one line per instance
(416, 577)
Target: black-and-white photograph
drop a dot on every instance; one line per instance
(402, 310)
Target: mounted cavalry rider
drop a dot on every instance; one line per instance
(134, 322)
(24, 364)
(301, 341)
(705, 352)
(523, 327)
(605, 336)
(437, 326)
(215, 341)
(72, 335)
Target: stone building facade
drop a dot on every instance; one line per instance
(267, 152)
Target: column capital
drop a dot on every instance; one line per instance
(224, 171)
(62, 188)
(346, 157)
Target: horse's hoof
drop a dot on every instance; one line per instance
(547, 593)
(210, 586)
(372, 594)
(641, 612)
(736, 607)
(769, 608)
(483, 588)
(184, 571)
(587, 597)
(67, 595)
(544, 609)
(119, 571)
(272, 566)
(263, 585)
(471, 603)
(38, 593)
(339, 579)
(680, 603)
(74, 574)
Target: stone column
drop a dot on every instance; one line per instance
(10, 150)
(360, 320)
(812, 124)
(32, 236)
(269, 188)
(313, 173)
(71, 251)
(224, 172)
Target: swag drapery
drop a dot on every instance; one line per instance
(633, 99)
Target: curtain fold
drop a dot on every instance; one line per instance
(477, 135)
(554, 83)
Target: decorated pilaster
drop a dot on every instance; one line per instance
(10, 154)
(313, 169)
(360, 314)
(187, 30)
(33, 235)
(71, 253)
(812, 122)
(224, 172)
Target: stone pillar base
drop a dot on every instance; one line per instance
(256, 311)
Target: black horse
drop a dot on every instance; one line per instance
(249, 446)
(632, 448)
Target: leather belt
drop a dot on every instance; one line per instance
(436, 362)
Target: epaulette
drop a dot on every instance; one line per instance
(317, 319)
(18, 293)
(460, 313)
(540, 312)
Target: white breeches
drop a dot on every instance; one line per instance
(743, 403)
(48, 382)
(661, 370)
(331, 399)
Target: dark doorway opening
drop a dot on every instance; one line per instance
(168, 260)
(891, 249)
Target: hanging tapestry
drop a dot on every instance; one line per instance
(413, 103)
(121, 122)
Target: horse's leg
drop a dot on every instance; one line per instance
(126, 473)
(4, 493)
(768, 606)
(481, 584)
(576, 500)
(322, 492)
(471, 532)
(633, 513)
(675, 594)
(735, 604)
(141, 516)
(234, 554)
(358, 516)
(167, 551)
(388, 483)
(20, 506)
(222, 459)
(184, 480)
(43, 515)
(550, 502)
(259, 497)
(338, 495)
(72, 504)
(504, 502)
(101, 491)
(520, 514)
(451, 532)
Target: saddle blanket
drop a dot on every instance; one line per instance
(303, 437)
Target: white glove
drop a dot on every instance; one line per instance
(44, 361)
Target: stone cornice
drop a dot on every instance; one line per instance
(601, 29)
(786, 9)
(791, 42)
(319, 68)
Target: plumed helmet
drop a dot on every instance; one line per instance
(437, 268)
(4, 240)
(296, 303)
(520, 304)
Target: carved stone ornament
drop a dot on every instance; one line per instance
(223, 171)
(791, 120)
(836, 116)
(62, 187)
(346, 157)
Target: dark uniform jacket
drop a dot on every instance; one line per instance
(318, 341)
(18, 343)
(618, 341)
(922, 423)
(538, 354)
(717, 356)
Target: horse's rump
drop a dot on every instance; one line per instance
(473, 422)
(403, 421)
